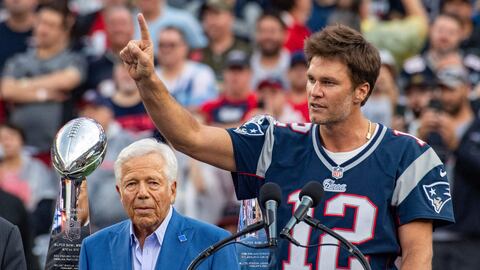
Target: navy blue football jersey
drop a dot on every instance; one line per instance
(394, 180)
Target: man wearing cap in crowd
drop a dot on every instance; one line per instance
(272, 100)
(237, 99)
(217, 18)
(419, 89)
(457, 123)
(445, 119)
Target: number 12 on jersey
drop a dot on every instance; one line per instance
(327, 257)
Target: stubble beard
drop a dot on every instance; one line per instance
(330, 118)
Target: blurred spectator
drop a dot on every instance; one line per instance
(455, 246)
(403, 37)
(127, 105)
(470, 41)
(382, 103)
(237, 99)
(458, 248)
(105, 206)
(91, 28)
(295, 15)
(347, 12)
(119, 25)
(190, 83)
(39, 81)
(28, 179)
(16, 31)
(270, 59)
(159, 15)
(246, 15)
(445, 38)
(463, 9)
(321, 11)
(297, 75)
(419, 91)
(272, 100)
(217, 19)
(445, 120)
(22, 175)
(443, 50)
(13, 210)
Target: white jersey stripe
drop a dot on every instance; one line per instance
(413, 175)
(265, 158)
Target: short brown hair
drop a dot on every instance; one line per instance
(347, 45)
(60, 7)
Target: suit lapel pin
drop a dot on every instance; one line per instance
(182, 238)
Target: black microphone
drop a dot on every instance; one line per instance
(270, 198)
(310, 196)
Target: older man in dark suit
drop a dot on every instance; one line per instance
(11, 248)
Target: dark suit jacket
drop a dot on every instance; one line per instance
(184, 239)
(13, 210)
(11, 248)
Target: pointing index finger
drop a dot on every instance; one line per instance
(143, 27)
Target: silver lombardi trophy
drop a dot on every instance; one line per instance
(78, 149)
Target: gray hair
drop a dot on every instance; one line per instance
(145, 147)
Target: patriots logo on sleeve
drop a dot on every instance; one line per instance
(438, 194)
(252, 127)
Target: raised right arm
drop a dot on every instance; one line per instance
(205, 143)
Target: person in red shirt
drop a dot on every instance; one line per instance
(237, 98)
(295, 15)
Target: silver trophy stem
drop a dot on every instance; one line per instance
(79, 148)
(70, 225)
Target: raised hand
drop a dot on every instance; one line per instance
(138, 54)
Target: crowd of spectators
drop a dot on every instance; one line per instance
(226, 61)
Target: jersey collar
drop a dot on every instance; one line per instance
(338, 169)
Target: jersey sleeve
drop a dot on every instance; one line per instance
(252, 145)
(422, 190)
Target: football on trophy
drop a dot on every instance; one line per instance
(79, 148)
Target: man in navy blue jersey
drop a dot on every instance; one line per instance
(385, 190)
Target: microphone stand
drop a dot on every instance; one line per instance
(352, 249)
(219, 245)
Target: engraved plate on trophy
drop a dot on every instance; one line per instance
(78, 149)
(250, 258)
